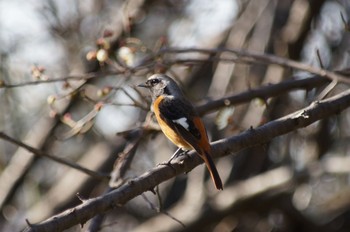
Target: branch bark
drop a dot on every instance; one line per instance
(263, 92)
(147, 181)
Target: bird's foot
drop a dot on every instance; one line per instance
(179, 152)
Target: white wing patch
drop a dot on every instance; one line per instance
(183, 123)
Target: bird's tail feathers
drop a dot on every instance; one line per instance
(214, 174)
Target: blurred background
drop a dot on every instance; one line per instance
(68, 71)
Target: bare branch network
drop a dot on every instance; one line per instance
(264, 92)
(80, 144)
(238, 56)
(149, 180)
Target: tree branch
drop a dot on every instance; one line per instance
(263, 92)
(257, 57)
(157, 175)
(54, 158)
(316, 111)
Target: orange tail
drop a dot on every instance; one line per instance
(212, 170)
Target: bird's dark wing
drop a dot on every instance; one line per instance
(179, 115)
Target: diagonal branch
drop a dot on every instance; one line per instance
(89, 208)
(54, 158)
(263, 92)
(316, 111)
(257, 57)
(82, 77)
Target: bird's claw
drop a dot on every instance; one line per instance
(167, 163)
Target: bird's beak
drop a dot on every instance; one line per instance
(143, 85)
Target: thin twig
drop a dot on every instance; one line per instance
(87, 76)
(152, 206)
(264, 59)
(346, 24)
(319, 58)
(124, 161)
(326, 90)
(54, 158)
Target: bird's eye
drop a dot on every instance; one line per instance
(154, 81)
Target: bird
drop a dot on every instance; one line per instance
(180, 122)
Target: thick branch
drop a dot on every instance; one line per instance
(154, 177)
(316, 111)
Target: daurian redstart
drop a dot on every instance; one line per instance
(179, 120)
